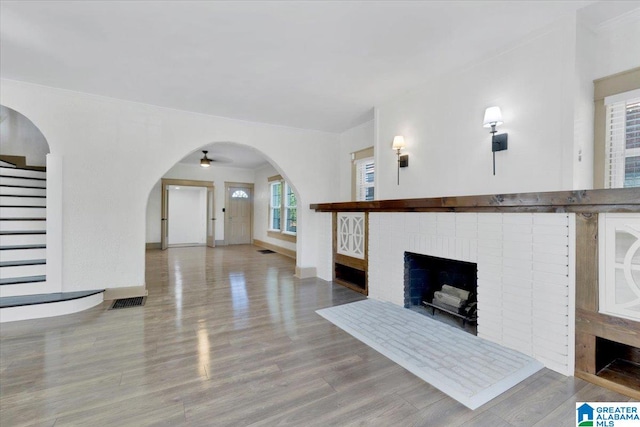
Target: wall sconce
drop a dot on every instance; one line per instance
(205, 162)
(493, 119)
(403, 160)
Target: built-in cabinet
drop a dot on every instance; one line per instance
(350, 246)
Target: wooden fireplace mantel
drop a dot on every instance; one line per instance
(579, 201)
(590, 324)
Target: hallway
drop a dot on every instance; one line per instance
(229, 337)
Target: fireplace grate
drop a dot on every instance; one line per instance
(128, 303)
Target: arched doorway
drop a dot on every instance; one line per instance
(235, 169)
(23, 206)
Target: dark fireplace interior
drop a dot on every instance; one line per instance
(441, 286)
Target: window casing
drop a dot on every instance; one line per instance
(622, 144)
(283, 209)
(275, 206)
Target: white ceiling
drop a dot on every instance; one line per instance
(307, 64)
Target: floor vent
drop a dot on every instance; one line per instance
(128, 302)
(266, 251)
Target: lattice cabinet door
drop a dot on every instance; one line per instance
(351, 234)
(619, 236)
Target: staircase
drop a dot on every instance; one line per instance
(24, 290)
(22, 226)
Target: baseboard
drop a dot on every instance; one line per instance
(305, 272)
(221, 243)
(275, 248)
(128, 292)
(154, 245)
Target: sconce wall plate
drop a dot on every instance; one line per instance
(499, 142)
(403, 161)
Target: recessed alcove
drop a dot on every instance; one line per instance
(425, 277)
(618, 362)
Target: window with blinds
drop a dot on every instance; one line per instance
(622, 166)
(365, 177)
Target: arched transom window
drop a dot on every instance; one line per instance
(239, 194)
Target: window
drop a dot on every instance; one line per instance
(283, 210)
(290, 210)
(275, 205)
(365, 174)
(239, 194)
(622, 133)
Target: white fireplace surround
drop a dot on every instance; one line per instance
(526, 272)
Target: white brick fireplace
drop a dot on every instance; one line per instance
(526, 267)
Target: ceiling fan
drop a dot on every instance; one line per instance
(205, 162)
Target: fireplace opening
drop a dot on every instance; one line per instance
(441, 288)
(618, 362)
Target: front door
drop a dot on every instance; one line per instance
(238, 214)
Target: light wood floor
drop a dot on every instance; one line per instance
(229, 337)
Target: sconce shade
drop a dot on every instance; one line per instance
(492, 117)
(398, 142)
(205, 162)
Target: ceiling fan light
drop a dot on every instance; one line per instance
(205, 162)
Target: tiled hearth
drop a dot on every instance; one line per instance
(525, 272)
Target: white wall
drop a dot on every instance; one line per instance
(352, 140)
(618, 44)
(105, 202)
(544, 85)
(261, 197)
(20, 137)
(216, 174)
(188, 215)
(450, 151)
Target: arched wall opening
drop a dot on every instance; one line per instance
(115, 151)
(37, 216)
(20, 137)
(232, 163)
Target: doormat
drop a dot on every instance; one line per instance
(128, 303)
(266, 251)
(469, 369)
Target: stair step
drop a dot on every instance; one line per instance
(22, 232)
(29, 173)
(19, 247)
(21, 200)
(12, 238)
(22, 212)
(19, 190)
(24, 262)
(23, 300)
(19, 280)
(23, 181)
(18, 224)
(26, 270)
(3, 175)
(23, 254)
